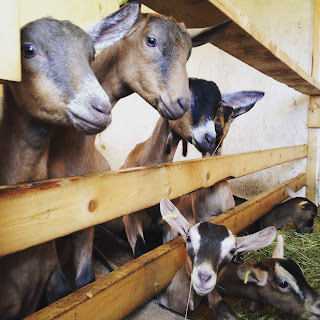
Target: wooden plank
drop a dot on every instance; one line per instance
(10, 38)
(34, 213)
(118, 293)
(313, 172)
(314, 112)
(243, 40)
(83, 14)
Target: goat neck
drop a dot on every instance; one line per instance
(24, 144)
(154, 150)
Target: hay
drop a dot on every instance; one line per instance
(304, 249)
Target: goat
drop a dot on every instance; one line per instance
(209, 248)
(56, 57)
(204, 204)
(276, 281)
(159, 75)
(205, 125)
(298, 210)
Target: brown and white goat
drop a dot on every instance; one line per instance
(209, 248)
(205, 125)
(58, 87)
(298, 210)
(151, 61)
(204, 204)
(276, 281)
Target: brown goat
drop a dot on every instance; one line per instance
(58, 87)
(205, 125)
(151, 61)
(298, 210)
(275, 281)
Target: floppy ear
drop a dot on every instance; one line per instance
(256, 240)
(278, 250)
(173, 217)
(115, 26)
(291, 193)
(247, 273)
(200, 36)
(241, 101)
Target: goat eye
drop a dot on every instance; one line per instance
(29, 51)
(232, 251)
(151, 42)
(188, 239)
(283, 284)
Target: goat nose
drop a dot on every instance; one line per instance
(210, 138)
(101, 108)
(204, 277)
(184, 104)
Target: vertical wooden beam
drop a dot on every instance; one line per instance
(10, 39)
(313, 172)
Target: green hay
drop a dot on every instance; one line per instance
(304, 249)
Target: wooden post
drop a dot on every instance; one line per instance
(313, 171)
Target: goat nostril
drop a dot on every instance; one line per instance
(183, 104)
(101, 108)
(210, 138)
(204, 277)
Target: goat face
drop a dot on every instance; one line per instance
(209, 246)
(201, 239)
(281, 284)
(152, 61)
(304, 213)
(57, 75)
(198, 126)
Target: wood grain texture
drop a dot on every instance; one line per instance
(242, 40)
(121, 291)
(10, 68)
(313, 172)
(35, 213)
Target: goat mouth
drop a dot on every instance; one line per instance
(201, 291)
(170, 113)
(88, 126)
(204, 149)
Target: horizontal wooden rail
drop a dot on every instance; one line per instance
(243, 40)
(38, 212)
(121, 291)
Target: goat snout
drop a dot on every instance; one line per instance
(184, 104)
(204, 277)
(173, 109)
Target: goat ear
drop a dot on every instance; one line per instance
(291, 193)
(200, 36)
(115, 26)
(248, 273)
(173, 217)
(256, 240)
(278, 250)
(241, 101)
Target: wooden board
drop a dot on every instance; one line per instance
(118, 293)
(34, 213)
(10, 39)
(313, 172)
(15, 14)
(243, 40)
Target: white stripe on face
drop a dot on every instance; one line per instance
(198, 133)
(284, 275)
(227, 244)
(195, 238)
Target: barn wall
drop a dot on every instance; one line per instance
(279, 119)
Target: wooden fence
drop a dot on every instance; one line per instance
(34, 213)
